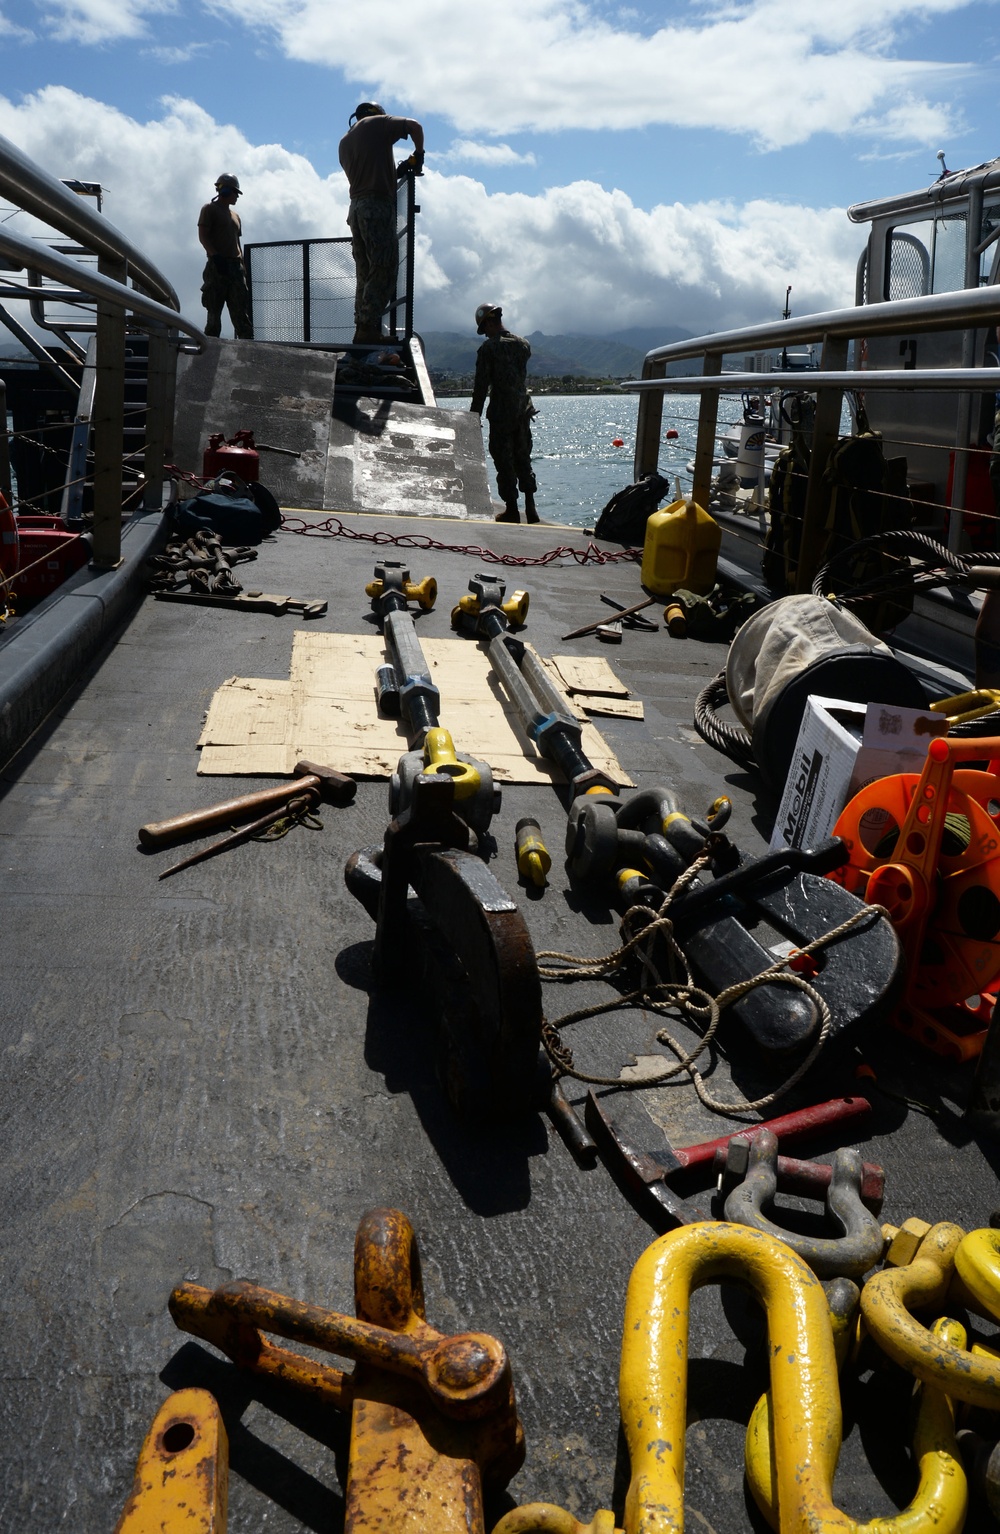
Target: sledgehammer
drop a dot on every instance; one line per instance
(332, 786)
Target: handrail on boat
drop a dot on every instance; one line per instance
(966, 309)
(125, 282)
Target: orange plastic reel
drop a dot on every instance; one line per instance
(928, 849)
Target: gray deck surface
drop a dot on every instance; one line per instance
(200, 1083)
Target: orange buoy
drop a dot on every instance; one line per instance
(617, 442)
(671, 433)
(10, 546)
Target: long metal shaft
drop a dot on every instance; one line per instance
(296, 806)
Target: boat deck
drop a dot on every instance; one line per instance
(201, 1083)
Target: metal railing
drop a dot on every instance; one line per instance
(302, 291)
(150, 305)
(965, 309)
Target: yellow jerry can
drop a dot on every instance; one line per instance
(681, 549)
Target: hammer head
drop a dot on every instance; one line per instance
(334, 787)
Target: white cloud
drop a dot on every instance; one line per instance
(576, 257)
(100, 21)
(777, 72)
(466, 151)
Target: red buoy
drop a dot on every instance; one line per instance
(10, 545)
(671, 433)
(617, 442)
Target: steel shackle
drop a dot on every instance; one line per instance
(859, 1243)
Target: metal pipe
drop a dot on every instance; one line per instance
(826, 431)
(29, 187)
(984, 380)
(5, 484)
(32, 344)
(649, 423)
(41, 259)
(708, 418)
(934, 311)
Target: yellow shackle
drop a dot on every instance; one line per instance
(653, 1378)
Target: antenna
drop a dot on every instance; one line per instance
(944, 169)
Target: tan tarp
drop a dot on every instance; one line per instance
(325, 711)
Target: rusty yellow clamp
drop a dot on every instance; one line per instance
(181, 1476)
(653, 1382)
(941, 1500)
(924, 1271)
(433, 1417)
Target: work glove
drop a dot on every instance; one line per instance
(413, 162)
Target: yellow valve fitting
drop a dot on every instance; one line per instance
(439, 756)
(676, 620)
(516, 608)
(927, 1281)
(425, 591)
(181, 1475)
(940, 1502)
(653, 1378)
(533, 861)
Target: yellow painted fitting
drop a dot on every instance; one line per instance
(533, 860)
(968, 705)
(668, 820)
(653, 1378)
(941, 1499)
(543, 1518)
(903, 1242)
(181, 1475)
(718, 805)
(976, 1283)
(439, 756)
(927, 1282)
(425, 592)
(516, 608)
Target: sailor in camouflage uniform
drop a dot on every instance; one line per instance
(224, 280)
(501, 372)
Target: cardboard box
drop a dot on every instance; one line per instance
(841, 747)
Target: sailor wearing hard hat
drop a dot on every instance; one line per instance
(224, 280)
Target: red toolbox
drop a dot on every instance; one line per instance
(49, 555)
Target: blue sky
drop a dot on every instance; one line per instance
(590, 165)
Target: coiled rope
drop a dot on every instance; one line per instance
(640, 926)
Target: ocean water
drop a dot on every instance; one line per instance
(577, 466)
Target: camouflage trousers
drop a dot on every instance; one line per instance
(510, 449)
(375, 247)
(226, 288)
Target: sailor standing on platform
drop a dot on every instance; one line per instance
(366, 156)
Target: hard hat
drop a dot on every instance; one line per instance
(486, 312)
(365, 109)
(227, 183)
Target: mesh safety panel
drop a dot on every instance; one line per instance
(302, 290)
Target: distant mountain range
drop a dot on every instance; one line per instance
(618, 355)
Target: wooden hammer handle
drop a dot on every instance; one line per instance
(165, 833)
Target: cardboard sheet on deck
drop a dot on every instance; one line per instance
(325, 711)
(592, 687)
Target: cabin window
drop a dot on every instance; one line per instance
(926, 257)
(989, 244)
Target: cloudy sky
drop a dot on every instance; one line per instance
(590, 165)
